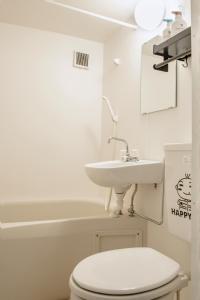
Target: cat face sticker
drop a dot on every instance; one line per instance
(184, 188)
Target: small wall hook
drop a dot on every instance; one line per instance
(117, 61)
(185, 64)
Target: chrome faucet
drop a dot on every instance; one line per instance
(127, 156)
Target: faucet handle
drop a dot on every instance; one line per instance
(135, 153)
(123, 155)
(134, 156)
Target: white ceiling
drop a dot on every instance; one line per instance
(42, 15)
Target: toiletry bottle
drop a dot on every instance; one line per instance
(179, 23)
(167, 31)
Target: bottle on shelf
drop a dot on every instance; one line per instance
(179, 23)
(167, 31)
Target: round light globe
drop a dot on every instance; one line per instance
(149, 13)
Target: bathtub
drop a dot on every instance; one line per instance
(40, 243)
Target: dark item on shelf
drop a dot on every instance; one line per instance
(178, 47)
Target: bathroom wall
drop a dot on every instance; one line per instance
(196, 156)
(50, 115)
(148, 132)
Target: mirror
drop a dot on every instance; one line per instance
(158, 88)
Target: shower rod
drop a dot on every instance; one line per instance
(89, 13)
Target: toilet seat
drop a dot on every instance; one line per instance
(178, 283)
(125, 272)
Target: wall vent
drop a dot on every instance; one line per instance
(81, 60)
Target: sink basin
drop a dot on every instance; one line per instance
(117, 173)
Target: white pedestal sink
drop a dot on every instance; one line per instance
(122, 174)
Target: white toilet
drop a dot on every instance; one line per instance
(127, 274)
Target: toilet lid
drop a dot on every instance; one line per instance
(125, 271)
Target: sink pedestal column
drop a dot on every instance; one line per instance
(120, 193)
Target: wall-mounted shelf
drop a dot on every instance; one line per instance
(178, 47)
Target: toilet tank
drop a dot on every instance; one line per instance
(178, 187)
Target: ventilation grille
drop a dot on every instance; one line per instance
(81, 60)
